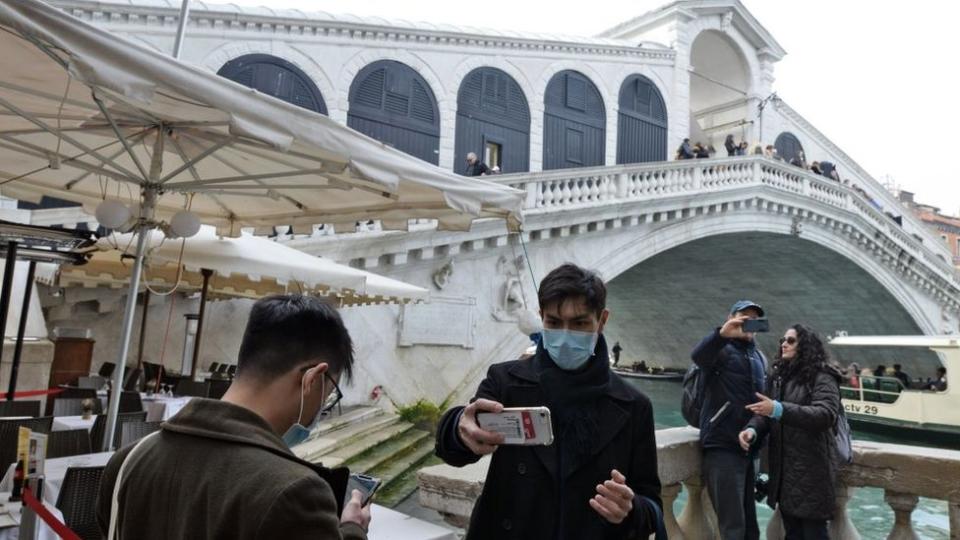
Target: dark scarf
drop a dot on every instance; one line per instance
(573, 399)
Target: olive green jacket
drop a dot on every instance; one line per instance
(217, 471)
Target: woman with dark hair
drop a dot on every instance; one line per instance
(730, 146)
(799, 418)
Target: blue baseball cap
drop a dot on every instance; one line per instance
(746, 304)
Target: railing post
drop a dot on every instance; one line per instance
(842, 528)
(757, 172)
(697, 178)
(805, 186)
(668, 494)
(532, 189)
(903, 506)
(622, 181)
(693, 520)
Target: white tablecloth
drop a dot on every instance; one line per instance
(13, 533)
(68, 423)
(387, 524)
(161, 408)
(55, 470)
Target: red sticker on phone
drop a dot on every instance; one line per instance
(528, 431)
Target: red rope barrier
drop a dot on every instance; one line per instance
(62, 530)
(31, 393)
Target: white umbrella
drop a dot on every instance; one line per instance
(89, 116)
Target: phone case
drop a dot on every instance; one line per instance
(520, 425)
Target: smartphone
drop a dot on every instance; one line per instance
(368, 485)
(753, 326)
(529, 426)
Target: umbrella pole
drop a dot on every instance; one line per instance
(8, 271)
(125, 331)
(21, 330)
(203, 304)
(181, 28)
(143, 328)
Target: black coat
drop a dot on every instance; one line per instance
(477, 169)
(522, 499)
(803, 470)
(734, 371)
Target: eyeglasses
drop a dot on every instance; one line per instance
(334, 398)
(788, 340)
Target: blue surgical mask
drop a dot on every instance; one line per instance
(569, 349)
(298, 432)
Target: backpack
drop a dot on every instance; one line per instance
(691, 402)
(843, 449)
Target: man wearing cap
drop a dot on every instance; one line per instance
(733, 370)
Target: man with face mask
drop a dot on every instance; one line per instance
(223, 468)
(598, 479)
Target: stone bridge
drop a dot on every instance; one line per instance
(677, 242)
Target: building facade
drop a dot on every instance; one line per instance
(946, 226)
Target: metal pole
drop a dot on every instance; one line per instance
(143, 327)
(21, 330)
(181, 28)
(125, 330)
(8, 270)
(203, 304)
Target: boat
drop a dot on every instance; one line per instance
(657, 374)
(888, 408)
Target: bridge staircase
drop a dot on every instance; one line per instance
(372, 441)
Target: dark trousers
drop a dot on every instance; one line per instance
(729, 478)
(804, 529)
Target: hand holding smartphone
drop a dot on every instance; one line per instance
(368, 485)
(519, 425)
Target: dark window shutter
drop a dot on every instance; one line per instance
(370, 91)
(576, 93)
(422, 109)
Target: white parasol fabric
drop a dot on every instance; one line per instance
(87, 115)
(245, 267)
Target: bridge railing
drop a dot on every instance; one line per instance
(549, 191)
(905, 473)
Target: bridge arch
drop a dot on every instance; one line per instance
(574, 122)
(641, 122)
(788, 146)
(722, 85)
(708, 229)
(493, 120)
(275, 77)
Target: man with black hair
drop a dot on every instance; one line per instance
(598, 479)
(223, 468)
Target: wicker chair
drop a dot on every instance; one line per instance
(10, 432)
(134, 431)
(19, 408)
(217, 388)
(186, 387)
(75, 442)
(98, 432)
(74, 406)
(77, 501)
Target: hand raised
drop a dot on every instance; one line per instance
(479, 441)
(764, 407)
(614, 498)
(733, 328)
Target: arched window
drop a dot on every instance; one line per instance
(493, 120)
(641, 122)
(788, 146)
(275, 77)
(574, 122)
(392, 103)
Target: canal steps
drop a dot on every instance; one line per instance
(372, 441)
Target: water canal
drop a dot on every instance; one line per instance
(871, 515)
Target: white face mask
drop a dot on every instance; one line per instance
(298, 432)
(569, 349)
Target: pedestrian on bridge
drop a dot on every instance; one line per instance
(598, 480)
(798, 417)
(734, 371)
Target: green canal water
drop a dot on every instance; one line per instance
(871, 515)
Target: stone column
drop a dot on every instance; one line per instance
(841, 528)
(669, 494)
(903, 506)
(693, 520)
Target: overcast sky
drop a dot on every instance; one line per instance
(878, 78)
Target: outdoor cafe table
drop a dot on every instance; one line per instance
(55, 470)
(161, 408)
(69, 423)
(13, 508)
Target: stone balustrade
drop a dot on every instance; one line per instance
(905, 473)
